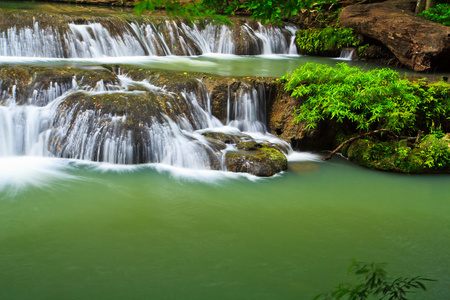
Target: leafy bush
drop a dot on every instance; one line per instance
(373, 281)
(368, 100)
(266, 11)
(438, 14)
(433, 153)
(327, 41)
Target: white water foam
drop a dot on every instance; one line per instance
(18, 172)
(303, 156)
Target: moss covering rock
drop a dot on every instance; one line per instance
(326, 42)
(227, 138)
(23, 81)
(430, 155)
(260, 159)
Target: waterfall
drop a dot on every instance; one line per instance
(55, 114)
(94, 40)
(115, 38)
(21, 127)
(292, 46)
(50, 123)
(249, 112)
(347, 54)
(31, 42)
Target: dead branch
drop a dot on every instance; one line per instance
(358, 137)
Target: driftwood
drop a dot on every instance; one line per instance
(358, 137)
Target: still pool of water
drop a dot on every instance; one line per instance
(275, 65)
(73, 230)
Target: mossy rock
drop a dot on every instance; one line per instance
(20, 77)
(262, 160)
(227, 138)
(368, 51)
(327, 41)
(430, 155)
(139, 107)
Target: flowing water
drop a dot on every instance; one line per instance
(170, 228)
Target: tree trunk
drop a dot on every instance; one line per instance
(420, 7)
(430, 4)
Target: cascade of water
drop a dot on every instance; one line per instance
(347, 54)
(31, 42)
(21, 127)
(168, 143)
(42, 97)
(48, 125)
(273, 40)
(152, 40)
(211, 39)
(292, 47)
(249, 112)
(91, 135)
(94, 40)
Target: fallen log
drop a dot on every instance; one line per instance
(418, 44)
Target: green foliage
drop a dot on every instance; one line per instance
(373, 281)
(266, 11)
(327, 41)
(21, 4)
(275, 10)
(438, 14)
(367, 100)
(434, 152)
(189, 11)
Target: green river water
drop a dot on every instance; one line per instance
(80, 230)
(89, 231)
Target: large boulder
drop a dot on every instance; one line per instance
(281, 123)
(419, 44)
(260, 159)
